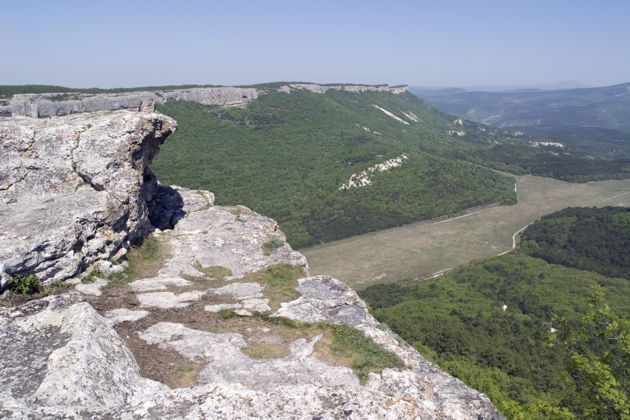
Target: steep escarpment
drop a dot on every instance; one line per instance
(75, 190)
(64, 103)
(229, 325)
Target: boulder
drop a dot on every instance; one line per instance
(75, 189)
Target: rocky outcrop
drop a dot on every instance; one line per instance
(57, 104)
(230, 325)
(75, 189)
(313, 87)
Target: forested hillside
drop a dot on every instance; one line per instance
(336, 164)
(287, 155)
(511, 326)
(596, 239)
(592, 121)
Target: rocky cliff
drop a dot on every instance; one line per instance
(226, 323)
(57, 104)
(75, 190)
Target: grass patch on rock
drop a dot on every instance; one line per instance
(269, 246)
(214, 271)
(265, 351)
(279, 282)
(348, 346)
(142, 261)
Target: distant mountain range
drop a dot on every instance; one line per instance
(568, 84)
(592, 120)
(604, 107)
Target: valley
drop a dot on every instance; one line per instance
(422, 249)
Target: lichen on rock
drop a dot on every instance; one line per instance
(75, 189)
(222, 327)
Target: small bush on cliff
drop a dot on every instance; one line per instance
(25, 286)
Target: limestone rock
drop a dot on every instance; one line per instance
(74, 189)
(58, 352)
(57, 104)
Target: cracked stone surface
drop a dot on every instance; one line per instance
(169, 299)
(73, 190)
(116, 316)
(93, 288)
(63, 359)
(297, 384)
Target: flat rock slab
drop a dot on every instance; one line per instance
(226, 363)
(240, 291)
(93, 288)
(157, 283)
(229, 237)
(326, 299)
(116, 316)
(167, 300)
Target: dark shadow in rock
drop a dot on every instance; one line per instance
(166, 208)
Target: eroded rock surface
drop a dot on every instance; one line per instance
(75, 189)
(79, 348)
(230, 325)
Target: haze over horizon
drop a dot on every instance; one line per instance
(493, 43)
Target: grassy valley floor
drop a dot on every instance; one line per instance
(424, 248)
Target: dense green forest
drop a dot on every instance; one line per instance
(524, 357)
(287, 155)
(595, 239)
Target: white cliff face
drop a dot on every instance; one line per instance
(364, 178)
(347, 88)
(546, 144)
(90, 353)
(75, 189)
(57, 104)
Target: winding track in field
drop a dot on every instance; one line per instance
(430, 248)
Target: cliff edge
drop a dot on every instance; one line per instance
(227, 323)
(57, 104)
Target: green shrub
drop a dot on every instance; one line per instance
(226, 314)
(25, 286)
(273, 244)
(366, 355)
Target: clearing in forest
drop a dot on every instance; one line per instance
(423, 249)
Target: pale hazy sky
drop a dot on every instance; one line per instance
(428, 43)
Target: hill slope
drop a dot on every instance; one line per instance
(458, 320)
(587, 107)
(327, 166)
(289, 155)
(328, 161)
(588, 120)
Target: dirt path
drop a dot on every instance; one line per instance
(432, 247)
